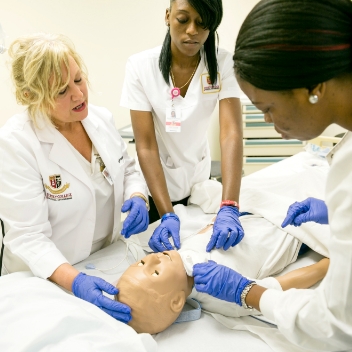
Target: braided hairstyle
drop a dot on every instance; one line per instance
(288, 44)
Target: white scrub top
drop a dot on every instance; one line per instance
(104, 197)
(185, 155)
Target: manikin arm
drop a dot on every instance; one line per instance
(300, 278)
(304, 277)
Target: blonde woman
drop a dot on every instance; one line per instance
(65, 173)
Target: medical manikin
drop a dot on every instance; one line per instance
(157, 286)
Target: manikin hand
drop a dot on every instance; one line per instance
(311, 209)
(169, 227)
(227, 231)
(138, 219)
(219, 281)
(90, 288)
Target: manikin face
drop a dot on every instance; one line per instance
(187, 33)
(291, 112)
(163, 272)
(71, 103)
(156, 289)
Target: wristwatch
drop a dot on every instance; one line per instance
(244, 295)
(230, 203)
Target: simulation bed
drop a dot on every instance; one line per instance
(36, 315)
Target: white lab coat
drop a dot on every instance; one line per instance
(185, 156)
(321, 319)
(52, 221)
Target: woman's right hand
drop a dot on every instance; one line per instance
(219, 281)
(311, 209)
(90, 288)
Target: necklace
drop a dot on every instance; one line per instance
(194, 71)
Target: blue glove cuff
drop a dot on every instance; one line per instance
(76, 283)
(230, 208)
(170, 215)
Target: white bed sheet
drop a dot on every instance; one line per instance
(35, 315)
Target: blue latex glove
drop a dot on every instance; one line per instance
(219, 281)
(90, 289)
(169, 227)
(227, 230)
(138, 219)
(311, 209)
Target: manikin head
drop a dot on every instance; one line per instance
(156, 288)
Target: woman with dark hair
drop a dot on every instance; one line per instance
(172, 92)
(293, 59)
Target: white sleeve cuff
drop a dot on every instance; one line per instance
(268, 301)
(47, 264)
(229, 94)
(135, 189)
(269, 282)
(136, 106)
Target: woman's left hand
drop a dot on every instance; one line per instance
(227, 231)
(311, 209)
(138, 219)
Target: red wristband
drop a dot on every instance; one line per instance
(231, 203)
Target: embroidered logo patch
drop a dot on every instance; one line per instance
(56, 189)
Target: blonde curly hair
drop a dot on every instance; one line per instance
(36, 62)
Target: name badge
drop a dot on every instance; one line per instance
(107, 176)
(207, 87)
(173, 119)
